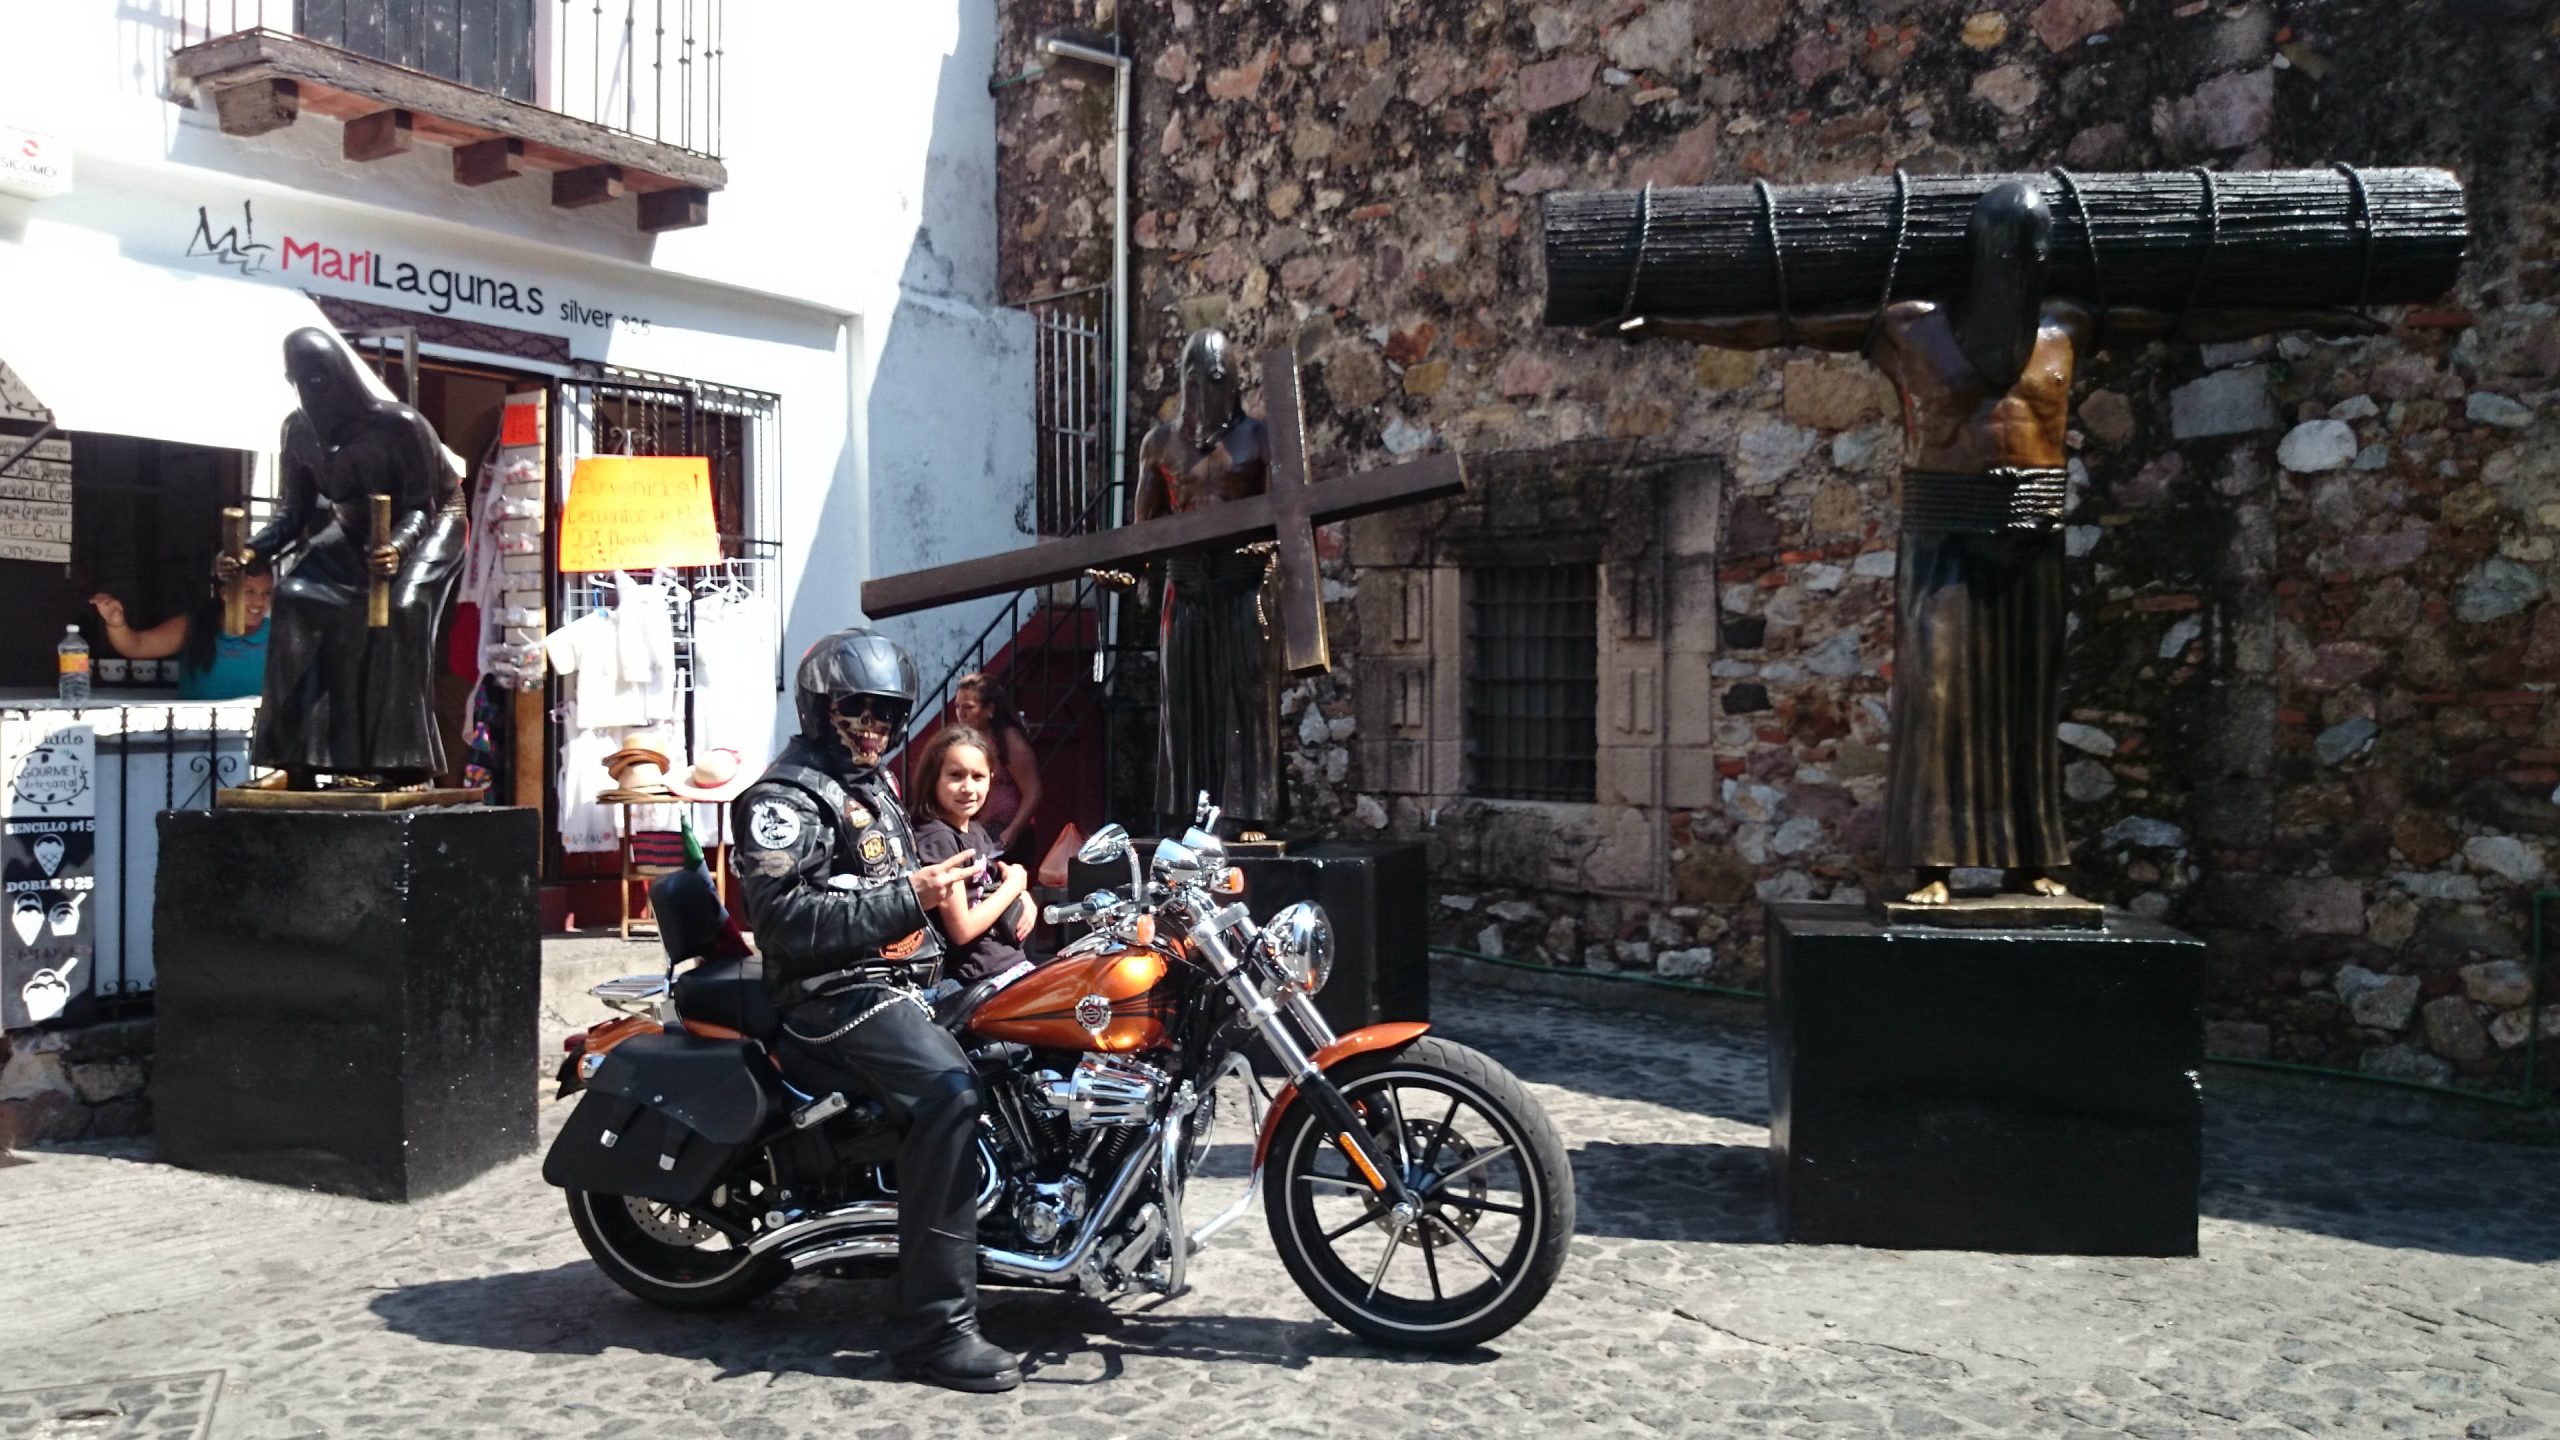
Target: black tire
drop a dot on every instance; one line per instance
(1299, 1187)
(716, 1276)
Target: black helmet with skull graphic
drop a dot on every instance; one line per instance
(848, 674)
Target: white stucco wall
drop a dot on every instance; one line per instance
(848, 266)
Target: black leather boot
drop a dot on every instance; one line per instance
(962, 1360)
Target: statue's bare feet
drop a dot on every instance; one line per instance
(1933, 893)
(2037, 882)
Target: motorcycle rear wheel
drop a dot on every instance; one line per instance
(1495, 1186)
(714, 1274)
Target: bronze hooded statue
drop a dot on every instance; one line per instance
(350, 679)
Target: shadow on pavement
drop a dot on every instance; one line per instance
(1675, 1190)
(2376, 1186)
(1291, 1344)
(839, 1327)
(1709, 1070)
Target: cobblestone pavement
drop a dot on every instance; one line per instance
(2354, 1281)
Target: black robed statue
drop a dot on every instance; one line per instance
(1218, 711)
(348, 692)
(1985, 383)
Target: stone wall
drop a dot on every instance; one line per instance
(2313, 590)
(80, 1084)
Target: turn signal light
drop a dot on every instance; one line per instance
(1143, 930)
(1231, 883)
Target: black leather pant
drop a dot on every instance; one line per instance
(901, 1058)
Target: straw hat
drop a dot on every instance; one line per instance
(716, 775)
(639, 768)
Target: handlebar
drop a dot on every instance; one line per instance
(1085, 909)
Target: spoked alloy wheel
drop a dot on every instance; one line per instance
(1493, 1201)
(667, 1257)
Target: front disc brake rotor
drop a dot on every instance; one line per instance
(1451, 1206)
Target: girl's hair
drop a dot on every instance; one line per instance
(204, 623)
(925, 803)
(997, 700)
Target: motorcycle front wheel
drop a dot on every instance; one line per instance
(1492, 1187)
(667, 1257)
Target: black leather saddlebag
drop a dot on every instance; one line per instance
(664, 1118)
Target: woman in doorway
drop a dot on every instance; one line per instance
(979, 703)
(211, 665)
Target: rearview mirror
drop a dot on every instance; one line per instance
(1108, 844)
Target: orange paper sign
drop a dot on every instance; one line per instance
(638, 512)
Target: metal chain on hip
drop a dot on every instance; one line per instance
(898, 996)
(1269, 550)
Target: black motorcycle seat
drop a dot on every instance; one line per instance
(730, 993)
(953, 1010)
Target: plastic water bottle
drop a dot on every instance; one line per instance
(71, 665)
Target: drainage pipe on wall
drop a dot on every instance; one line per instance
(1118, 64)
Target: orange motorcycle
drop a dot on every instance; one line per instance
(1417, 1193)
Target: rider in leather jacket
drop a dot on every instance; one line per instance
(826, 866)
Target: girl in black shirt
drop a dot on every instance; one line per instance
(986, 920)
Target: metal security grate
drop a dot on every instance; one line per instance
(1072, 409)
(1533, 657)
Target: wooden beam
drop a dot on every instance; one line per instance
(1224, 525)
(257, 107)
(1302, 630)
(679, 209)
(378, 136)
(591, 185)
(488, 161)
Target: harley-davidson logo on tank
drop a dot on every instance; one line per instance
(48, 880)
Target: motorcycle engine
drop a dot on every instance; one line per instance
(1045, 1211)
(1103, 1092)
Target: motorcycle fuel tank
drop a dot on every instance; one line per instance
(1104, 1002)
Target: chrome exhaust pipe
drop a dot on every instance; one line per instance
(866, 1216)
(860, 1215)
(853, 1249)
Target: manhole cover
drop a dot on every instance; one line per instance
(164, 1407)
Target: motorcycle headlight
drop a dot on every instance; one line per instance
(1298, 945)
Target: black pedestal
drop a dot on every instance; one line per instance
(2022, 1091)
(346, 999)
(1374, 892)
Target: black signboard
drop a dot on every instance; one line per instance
(48, 873)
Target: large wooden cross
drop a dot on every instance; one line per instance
(1289, 510)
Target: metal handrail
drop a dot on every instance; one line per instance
(1011, 622)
